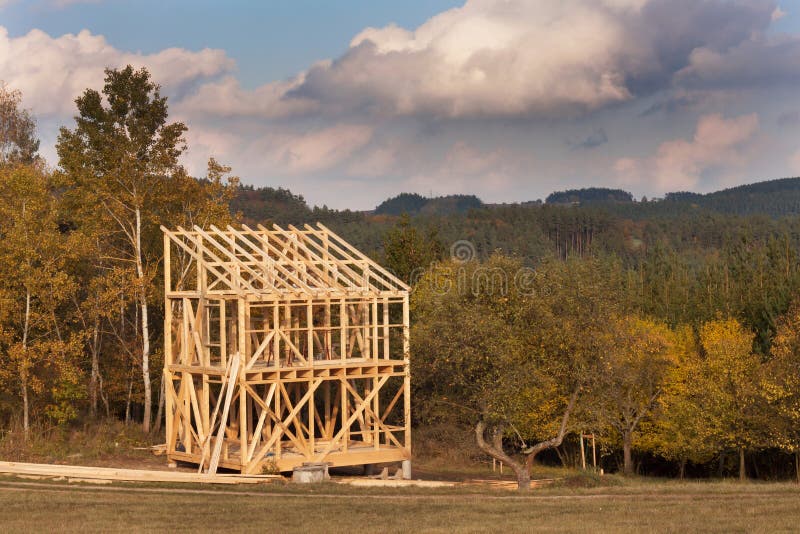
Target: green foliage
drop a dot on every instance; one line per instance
(404, 203)
(408, 251)
(591, 194)
(18, 141)
(37, 347)
(267, 204)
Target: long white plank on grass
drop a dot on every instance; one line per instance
(129, 475)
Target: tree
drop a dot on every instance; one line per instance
(37, 352)
(566, 323)
(121, 164)
(468, 354)
(679, 429)
(731, 394)
(18, 141)
(782, 383)
(407, 251)
(633, 378)
(508, 350)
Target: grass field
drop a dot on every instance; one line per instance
(631, 506)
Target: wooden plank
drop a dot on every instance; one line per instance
(234, 370)
(128, 475)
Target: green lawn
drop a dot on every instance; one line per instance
(638, 506)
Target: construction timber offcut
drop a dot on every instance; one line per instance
(282, 346)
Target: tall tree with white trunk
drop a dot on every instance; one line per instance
(121, 164)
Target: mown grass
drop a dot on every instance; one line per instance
(629, 506)
(577, 502)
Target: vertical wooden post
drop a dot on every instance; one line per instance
(328, 331)
(278, 414)
(312, 427)
(343, 329)
(169, 408)
(223, 333)
(287, 324)
(186, 439)
(407, 376)
(310, 332)
(276, 339)
(243, 360)
(345, 413)
(373, 322)
(386, 347)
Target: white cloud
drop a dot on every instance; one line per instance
(226, 98)
(52, 72)
(494, 58)
(321, 149)
(486, 58)
(754, 62)
(718, 144)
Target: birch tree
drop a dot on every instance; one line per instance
(121, 160)
(18, 141)
(37, 352)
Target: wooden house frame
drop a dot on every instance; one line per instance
(282, 346)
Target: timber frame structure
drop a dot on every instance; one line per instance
(281, 347)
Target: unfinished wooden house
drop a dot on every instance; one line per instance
(281, 347)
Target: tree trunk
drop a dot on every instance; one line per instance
(627, 459)
(95, 377)
(742, 469)
(555, 441)
(797, 465)
(561, 456)
(142, 290)
(682, 469)
(128, 402)
(494, 448)
(25, 411)
(26, 427)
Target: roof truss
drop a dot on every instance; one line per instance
(277, 262)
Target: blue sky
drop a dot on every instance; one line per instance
(349, 102)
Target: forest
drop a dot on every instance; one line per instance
(669, 329)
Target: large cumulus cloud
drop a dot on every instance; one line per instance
(543, 59)
(52, 72)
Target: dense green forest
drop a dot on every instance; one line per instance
(670, 328)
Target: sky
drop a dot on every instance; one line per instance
(350, 102)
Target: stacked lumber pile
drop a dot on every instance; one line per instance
(83, 473)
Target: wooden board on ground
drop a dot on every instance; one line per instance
(508, 484)
(76, 472)
(393, 483)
